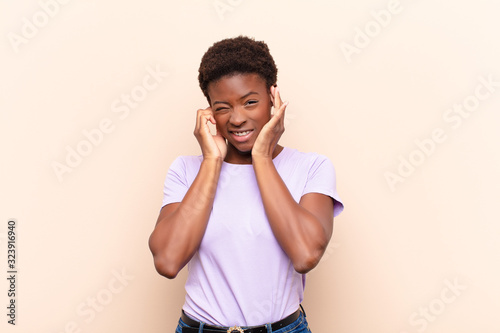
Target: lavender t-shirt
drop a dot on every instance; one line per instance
(240, 275)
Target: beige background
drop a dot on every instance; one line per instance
(397, 250)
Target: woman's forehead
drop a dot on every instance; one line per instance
(237, 85)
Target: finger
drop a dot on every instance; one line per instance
(208, 118)
(278, 120)
(211, 119)
(271, 93)
(278, 117)
(204, 116)
(199, 119)
(281, 111)
(277, 98)
(285, 105)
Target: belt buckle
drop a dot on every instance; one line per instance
(235, 329)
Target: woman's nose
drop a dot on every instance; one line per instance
(237, 117)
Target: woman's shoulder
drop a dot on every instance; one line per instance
(292, 155)
(190, 158)
(186, 162)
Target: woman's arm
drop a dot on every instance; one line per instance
(302, 229)
(181, 226)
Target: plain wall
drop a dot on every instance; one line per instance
(395, 93)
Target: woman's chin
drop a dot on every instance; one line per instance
(240, 149)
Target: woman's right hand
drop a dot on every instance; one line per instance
(173, 242)
(212, 146)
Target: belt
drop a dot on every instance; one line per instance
(195, 325)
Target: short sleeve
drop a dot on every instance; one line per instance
(176, 183)
(322, 179)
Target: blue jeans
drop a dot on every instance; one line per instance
(300, 325)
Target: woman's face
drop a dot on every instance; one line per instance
(241, 105)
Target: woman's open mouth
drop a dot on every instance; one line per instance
(241, 136)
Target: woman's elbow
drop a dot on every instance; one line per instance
(306, 263)
(165, 268)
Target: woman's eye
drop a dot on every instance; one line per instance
(251, 102)
(221, 109)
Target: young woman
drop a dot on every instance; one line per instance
(249, 216)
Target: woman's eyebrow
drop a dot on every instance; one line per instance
(242, 97)
(219, 102)
(250, 93)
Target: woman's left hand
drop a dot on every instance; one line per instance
(271, 132)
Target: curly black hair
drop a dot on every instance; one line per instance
(237, 56)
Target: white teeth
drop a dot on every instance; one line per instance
(241, 133)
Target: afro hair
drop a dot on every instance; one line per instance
(239, 55)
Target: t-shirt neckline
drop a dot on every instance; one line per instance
(275, 159)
